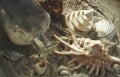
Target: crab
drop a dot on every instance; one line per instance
(92, 54)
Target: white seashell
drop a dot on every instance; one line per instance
(39, 70)
(79, 20)
(105, 28)
(64, 73)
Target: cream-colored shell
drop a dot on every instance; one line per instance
(105, 28)
(79, 20)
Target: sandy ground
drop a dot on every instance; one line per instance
(26, 67)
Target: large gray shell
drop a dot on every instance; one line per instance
(105, 28)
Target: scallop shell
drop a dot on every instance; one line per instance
(105, 28)
(79, 20)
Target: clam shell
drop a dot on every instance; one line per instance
(79, 20)
(105, 28)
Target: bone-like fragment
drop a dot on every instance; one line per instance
(78, 66)
(102, 72)
(115, 59)
(87, 66)
(71, 61)
(75, 49)
(67, 53)
(108, 66)
(92, 69)
(97, 71)
(39, 43)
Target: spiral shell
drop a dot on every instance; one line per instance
(105, 28)
(79, 20)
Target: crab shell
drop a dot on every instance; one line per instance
(91, 54)
(79, 20)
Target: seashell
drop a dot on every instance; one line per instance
(79, 20)
(63, 71)
(105, 28)
(40, 67)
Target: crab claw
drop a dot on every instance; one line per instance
(70, 46)
(115, 60)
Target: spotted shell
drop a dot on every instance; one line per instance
(79, 20)
(105, 28)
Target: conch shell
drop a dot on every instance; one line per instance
(79, 20)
